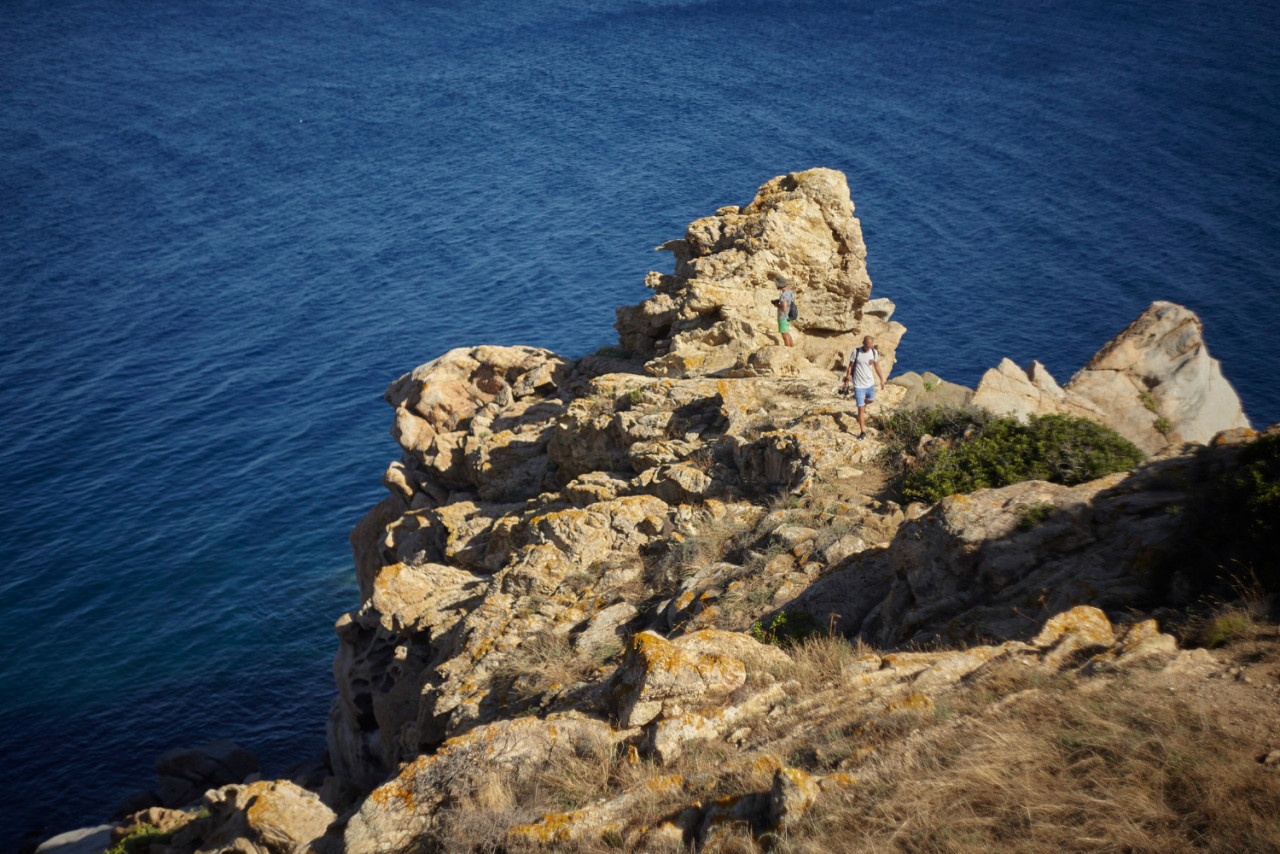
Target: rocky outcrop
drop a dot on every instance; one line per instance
(532, 491)
(1154, 383)
(266, 817)
(875, 691)
(990, 563)
(713, 314)
(403, 812)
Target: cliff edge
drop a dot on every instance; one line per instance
(662, 597)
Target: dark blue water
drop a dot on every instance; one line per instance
(225, 226)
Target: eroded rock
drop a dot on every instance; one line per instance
(713, 314)
(1154, 383)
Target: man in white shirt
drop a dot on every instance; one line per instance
(862, 362)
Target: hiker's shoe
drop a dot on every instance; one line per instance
(862, 435)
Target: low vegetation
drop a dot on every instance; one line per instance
(1233, 524)
(140, 839)
(941, 451)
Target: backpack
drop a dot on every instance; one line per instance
(875, 354)
(792, 314)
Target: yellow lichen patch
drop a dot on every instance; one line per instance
(662, 785)
(722, 809)
(766, 764)
(838, 780)
(914, 702)
(398, 793)
(546, 830)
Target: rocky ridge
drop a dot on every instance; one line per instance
(581, 564)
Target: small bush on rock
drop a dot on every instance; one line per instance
(902, 429)
(1000, 451)
(785, 628)
(1233, 522)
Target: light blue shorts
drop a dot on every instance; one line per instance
(863, 396)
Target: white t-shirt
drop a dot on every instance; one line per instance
(862, 360)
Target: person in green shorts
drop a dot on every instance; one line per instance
(783, 302)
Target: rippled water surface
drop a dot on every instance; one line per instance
(225, 227)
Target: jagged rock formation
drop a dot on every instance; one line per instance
(468, 557)
(712, 316)
(1154, 383)
(527, 478)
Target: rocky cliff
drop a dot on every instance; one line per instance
(581, 572)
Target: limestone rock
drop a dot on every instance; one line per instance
(605, 628)
(85, 840)
(714, 314)
(478, 418)
(594, 822)
(793, 793)
(1083, 628)
(658, 676)
(402, 812)
(1154, 383)
(929, 389)
(266, 817)
(1009, 390)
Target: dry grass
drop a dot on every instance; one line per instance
(1060, 771)
(822, 659)
(544, 662)
(1015, 760)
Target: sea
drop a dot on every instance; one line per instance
(226, 226)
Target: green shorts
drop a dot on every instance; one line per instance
(784, 324)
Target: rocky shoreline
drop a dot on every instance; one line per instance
(586, 568)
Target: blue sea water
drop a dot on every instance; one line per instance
(226, 226)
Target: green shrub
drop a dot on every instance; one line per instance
(1233, 522)
(785, 628)
(902, 429)
(140, 840)
(1056, 448)
(615, 352)
(1034, 515)
(1222, 629)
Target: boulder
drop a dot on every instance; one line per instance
(791, 796)
(401, 814)
(86, 840)
(658, 676)
(929, 389)
(266, 817)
